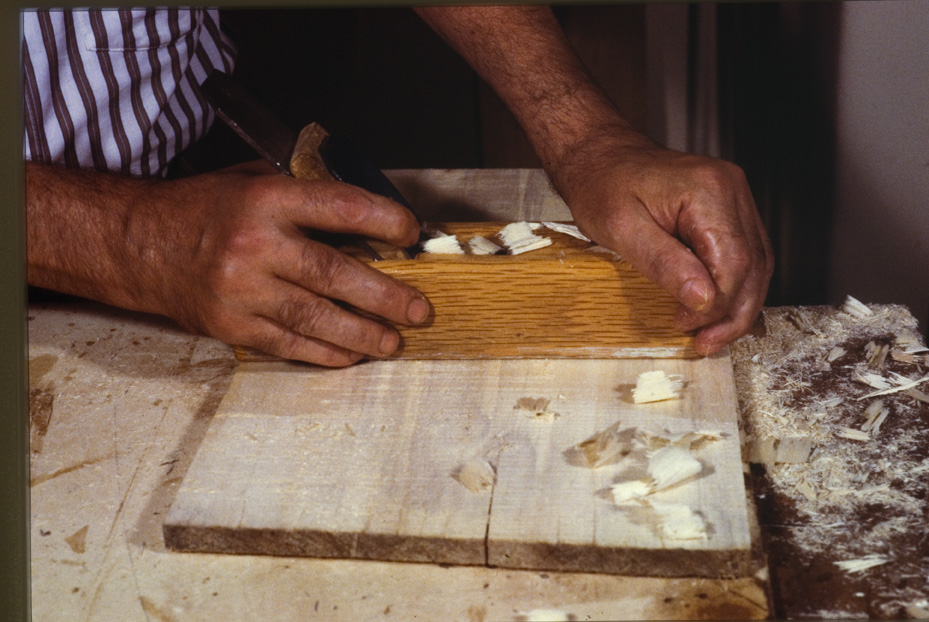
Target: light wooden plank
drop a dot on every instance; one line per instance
(358, 463)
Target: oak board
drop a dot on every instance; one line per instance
(571, 299)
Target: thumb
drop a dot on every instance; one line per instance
(671, 265)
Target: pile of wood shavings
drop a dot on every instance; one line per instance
(838, 499)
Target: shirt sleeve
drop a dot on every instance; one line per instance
(118, 90)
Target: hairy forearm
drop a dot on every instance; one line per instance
(79, 234)
(522, 53)
(688, 222)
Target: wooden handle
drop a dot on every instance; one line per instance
(305, 162)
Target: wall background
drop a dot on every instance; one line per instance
(880, 242)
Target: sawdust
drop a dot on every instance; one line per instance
(862, 490)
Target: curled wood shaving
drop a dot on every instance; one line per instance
(666, 468)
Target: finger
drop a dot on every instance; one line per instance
(718, 237)
(741, 261)
(306, 314)
(273, 338)
(715, 336)
(665, 260)
(744, 309)
(325, 271)
(340, 208)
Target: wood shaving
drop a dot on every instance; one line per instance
(666, 468)
(862, 564)
(656, 386)
(918, 609)
(545, 615)
(903, 384)
(677, 521)
(611, 445)
(571, 230)
(606, 447)
(479, 245)
(877, 354)
(518, 238)
(835, 354)
(670, 466)
(443, 244)
(853, 434)
(856, 308)
(800, 318)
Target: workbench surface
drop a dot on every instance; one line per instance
(119, 404)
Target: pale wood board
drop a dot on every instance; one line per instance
(358, 463)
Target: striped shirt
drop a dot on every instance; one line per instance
(118, 90)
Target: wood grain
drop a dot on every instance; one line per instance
(562, 301)
(360, 463)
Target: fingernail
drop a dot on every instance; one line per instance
(694, 294)
(418, 311)
(707, 348)
(389, 343)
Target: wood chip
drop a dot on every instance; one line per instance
(856, 308)
(656, 386)
(853, 434)
(571, 230)
(443, 244)
(518, 238)
(677, 521)
(479, 245)
(670, 466)
(861, 564)
(606, 447)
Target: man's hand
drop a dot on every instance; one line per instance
(225, 254)
(687, 222)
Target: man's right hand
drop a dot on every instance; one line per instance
(225, 254)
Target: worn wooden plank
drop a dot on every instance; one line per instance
(359, 463)
(562, 301)
(548, 513)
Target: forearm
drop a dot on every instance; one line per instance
(225, 254)
(79, 234)
(688, 222)
(522, 53)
